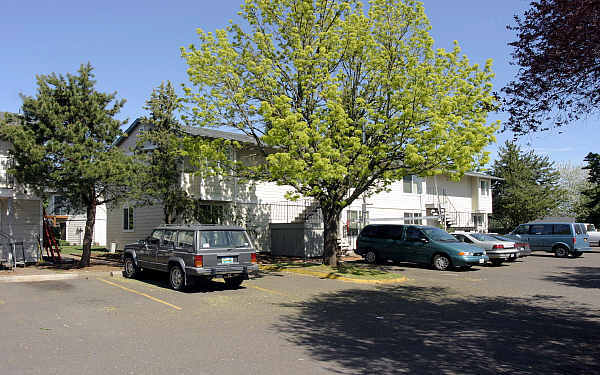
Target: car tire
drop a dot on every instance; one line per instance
(577, 254)
(561, 252)
(371, 257)
(441, 262)
(496, 262)
(234, 282)
(176, 278)
(513, 259)
(130, 270)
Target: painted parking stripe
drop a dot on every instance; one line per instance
(267, 290)
(141, 294)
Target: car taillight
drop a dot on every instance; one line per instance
(498, 247)
(198, 261)
(253, 257)
(574, 240)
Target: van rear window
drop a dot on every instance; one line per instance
(583, 228)
(578, 229)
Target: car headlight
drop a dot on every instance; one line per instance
(465, 253)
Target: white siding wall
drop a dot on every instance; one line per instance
(145, 219)
(26, 224)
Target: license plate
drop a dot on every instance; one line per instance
(481, 260)
(226, 260)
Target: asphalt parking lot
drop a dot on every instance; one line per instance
(539, 315)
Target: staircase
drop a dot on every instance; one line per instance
(308, 211)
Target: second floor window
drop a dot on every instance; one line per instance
(485, 187)
(412, 184)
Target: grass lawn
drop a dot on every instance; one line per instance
(75, 249)
(343, 271)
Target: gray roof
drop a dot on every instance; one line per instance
(482, 175)
(200, 132)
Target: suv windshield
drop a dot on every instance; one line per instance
(223, 239)
(436, 234)
(483, 237)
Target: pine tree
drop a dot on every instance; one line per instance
(591, 195)
(529, 187)
(159, 148)
(63, 144)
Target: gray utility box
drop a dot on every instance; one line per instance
(296, 240)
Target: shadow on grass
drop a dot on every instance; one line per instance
(427, 330)
(580, 277)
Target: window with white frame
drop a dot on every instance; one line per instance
(413, 218)
(412, 184)
(128, 219)
(485, 187)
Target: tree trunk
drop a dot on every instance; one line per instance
(331, 221)
(89, 234)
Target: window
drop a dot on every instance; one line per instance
(128, 219)
(223, 239)
(578, 229)
(583, 229)
(564, 229)
(485, 187)
(541, 229)
(414, 234)
(155, 237)
(407, 184)
(390, 232)
(412, 184)
(522, 229)
(478, 220)
(170, 237)
(185, 240)
(411, 218)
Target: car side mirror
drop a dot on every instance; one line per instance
(423, 239)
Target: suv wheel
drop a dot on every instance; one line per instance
(561, 252)
(441, 262)
(176, 278)
(371, 257)
(234, 282)
(129, 268)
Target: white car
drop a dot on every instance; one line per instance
(498, 251)
(593, 233)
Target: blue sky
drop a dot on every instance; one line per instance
(134, 45)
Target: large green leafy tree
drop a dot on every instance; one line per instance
(159, 148)
(591, 205)
(529, 188)
(340, 100)
(63, 144)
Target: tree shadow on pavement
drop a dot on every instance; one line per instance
(428, 330)
(580, 277)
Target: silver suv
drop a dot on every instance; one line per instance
(188, 252)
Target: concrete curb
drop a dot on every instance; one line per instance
(57, 276)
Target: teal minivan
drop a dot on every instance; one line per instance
(416, 244)
(562, 239)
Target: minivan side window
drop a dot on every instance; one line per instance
(414, 234)
(541, 229)
(390, 232)
(583, 228)
(368, 231)
(564, 229)
(522, 229)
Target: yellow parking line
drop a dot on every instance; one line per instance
(2, 302)
(141, 294)
(268, 290)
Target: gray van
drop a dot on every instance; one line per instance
(562, 239)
